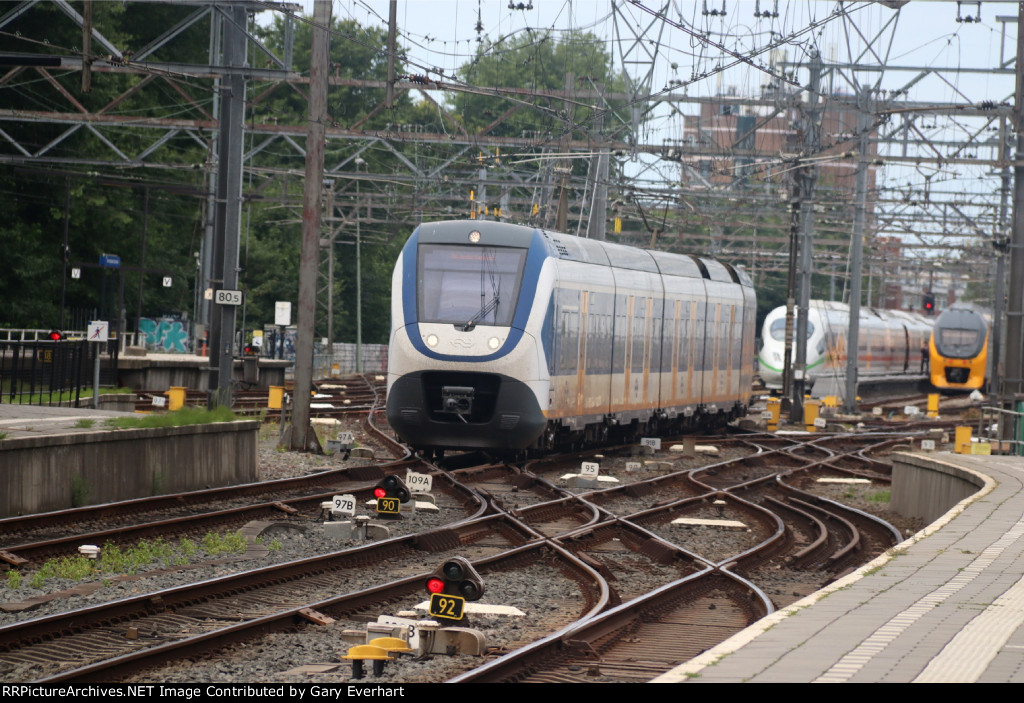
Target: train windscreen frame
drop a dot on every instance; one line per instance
(468, 285)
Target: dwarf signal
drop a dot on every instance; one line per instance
(451, 586)
(390, 493)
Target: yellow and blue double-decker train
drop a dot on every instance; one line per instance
(958, 349)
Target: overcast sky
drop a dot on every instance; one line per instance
(442, 34)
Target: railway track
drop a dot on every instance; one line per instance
(692, 584)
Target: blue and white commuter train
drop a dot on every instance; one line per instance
(890, 343)
(508, 337)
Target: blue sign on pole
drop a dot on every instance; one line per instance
(110, 261)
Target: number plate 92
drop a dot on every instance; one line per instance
(443, 605)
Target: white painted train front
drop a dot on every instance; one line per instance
(890, 343)
(511, 337)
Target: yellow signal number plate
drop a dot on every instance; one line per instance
(443, 605)
(390, 506)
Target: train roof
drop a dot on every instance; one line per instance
(865, 311)
(572, 248)
(963, 317)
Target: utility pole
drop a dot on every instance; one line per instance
(301, 437)
(1014, 366)
(228, 209)
(596, 226)
(392, 32)
(562, 210)
(808, 177)
(359, 275)
(999, 244)
(864, 122)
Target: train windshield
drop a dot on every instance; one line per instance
(778, 329)
(958, 343)
(959, 334)
(467, 286)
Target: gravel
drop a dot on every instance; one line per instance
(272, 657)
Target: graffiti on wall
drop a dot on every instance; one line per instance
(166, 334)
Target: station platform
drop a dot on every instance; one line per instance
(42, 421)
(947, 605)
(59, 458)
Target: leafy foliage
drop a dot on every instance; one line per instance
(107, 214)
(534, 61)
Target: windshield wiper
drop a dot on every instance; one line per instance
(490, 306)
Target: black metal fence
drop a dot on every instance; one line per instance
(53, 373)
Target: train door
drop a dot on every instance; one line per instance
(585, 334)
(906, 349)
(648, 351)
(674, 333)
(716, 352)
(731, 352)
(629, 349)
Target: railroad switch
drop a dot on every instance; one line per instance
(424, 637)
(367, 652)
(359, 529)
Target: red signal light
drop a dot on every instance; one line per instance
(435, 585)
(379, 492)
(56, 335)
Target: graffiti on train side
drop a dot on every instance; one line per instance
(166, 334)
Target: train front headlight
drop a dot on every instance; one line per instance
(493, 343)
(432, 340)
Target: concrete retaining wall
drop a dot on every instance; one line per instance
(160, 373)
(40, 474)
(925, 486)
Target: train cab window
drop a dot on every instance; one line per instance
(959, 343)
(468, 286)
(778, 329)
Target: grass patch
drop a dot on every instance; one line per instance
(14, 579)
(232, 542)
(3, 435)
(880, 497)
(178, 418)
(274, 545)
(85, 423)
(115, 560)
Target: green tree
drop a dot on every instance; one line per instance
(356, 53)
(536, 61)
(271, 258)
(104, 215)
